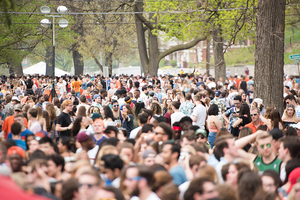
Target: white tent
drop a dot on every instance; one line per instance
(40, 68)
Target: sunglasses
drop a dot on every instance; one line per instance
(86, 184)
(115, 105)
(255, 114)
(201, 136)
(263, 145)
(290, 106)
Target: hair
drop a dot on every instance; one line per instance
(290, 131)
(196, 160)
(196, 186)
(65, 103)
(188, 96)
(76, 126)
(108, 113)
(112, 161)
(51, 111)
(264, 195)
(245, 110)
(117, 192)
(156, 108)
(138, 108)
(263, 135)
(213, 110)
(268, 111)
(149, 112)
(81, 111)
(111, 128)
(68, 188)
(190, 135)
(147, 127)
(16, 128)
(161, 178)
(285, 115)
(95, 174)
(220, 144)
(290, 166)
(47, 120)
(262, 128)
(201, 147)
(227, 192)
(249, 184)
(174, 149)
(143, 118)
(129, 109)
(167, 129)
(170, 192)
(222, 131)
(176, 104)
(292, 143)
(33, 112)
(245, 131)
(105, 149)
(274, 175)
(208, 172)
(275, 118)
(69, 143)
(58, 160)
(82, 98)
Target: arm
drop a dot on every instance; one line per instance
(237, 122)
(59, 128)
(240, 143)
(225, 117)
(247, 156)
(265, 121)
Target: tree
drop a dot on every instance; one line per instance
(269, 52)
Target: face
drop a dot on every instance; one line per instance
(124, 109)
(20, 120)
(136, 94)
(237, 103)
(98, 128)
(265, 147)
(166, 153)
(128, 152)
(232, 175)
(46, 148)
(84, 122)
(131, 183)
(209, 191)
(150, 160)
(159, 133)
(16, 162)
(281, 151)
(110, 174)
(52, 168)
(254, 115)
(297, 191)
(60, 147)
(185, 125)
(232, 149)
(69, 107)
(115, 106)
(33, 145)
(202, 139)
(268, 184)
(185, 141)
(87, 187)
(289, 102)
(102, 112)
(290, 111)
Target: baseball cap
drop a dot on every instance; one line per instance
(83, 135)
(18, 107)
(201, 131)
(217, 93)
(114, 97)
(17, 150)
(258, 100)
(151, 92)
(139, 100)
(95, 116)
(39, 135)
(99, 121)
(276, 133)
(148, 152)
(96, 96)
(15, 98)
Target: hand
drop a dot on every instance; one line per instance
(70, 126)
(40, 172)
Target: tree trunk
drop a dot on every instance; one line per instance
(18, 69)
(220, 67)
(207, 56)
(269, 52)
(78, 62)
(49, 61)
(98, 63)
(108, 62)
(153, 53)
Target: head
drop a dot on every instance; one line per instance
(55, 165)
(89, 183)
(113, 165)
(98, 126)
(237, 101)
(115, 105)
(170, 152)
(15, 156)
(188, 138)
(270, 181)
(255, 113)
(202, 189)
(225, 147)
(86, 140)
(46, 145)
(163, 132)
(264, 143)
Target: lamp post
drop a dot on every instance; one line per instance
(46, 23)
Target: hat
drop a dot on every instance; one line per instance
(148, 152)
(18, 107)
(159, 118)
(185, 119)
(201, 131)
(83, 135)
(139, 100)
(39, 135)
(176, 128)
(15, 98)
(96, 96)
(276, 133)
(127, 99)
(217, 93)
(258, 100)
(294, 175)
(95, 116)
(99, 121)
(114, 97)
(17, 150)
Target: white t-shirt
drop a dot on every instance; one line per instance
(91, 153)
(211, 85)
(134, 132)
(176, 117)
(200, 112)
(35, 127)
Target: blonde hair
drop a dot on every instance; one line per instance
(65, 103)
(190, 148)
(209, 172)
(285, 115)
(107, 149)
(78, 164)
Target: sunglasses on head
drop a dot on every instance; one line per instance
(263, 145)
(255, 114)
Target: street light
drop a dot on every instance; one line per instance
(46, 23)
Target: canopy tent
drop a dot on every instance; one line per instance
(40, 68)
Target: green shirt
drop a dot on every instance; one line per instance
(274, 165)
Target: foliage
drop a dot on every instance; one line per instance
(162, 63)
(173, 63)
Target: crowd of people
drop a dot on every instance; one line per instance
(184, 137)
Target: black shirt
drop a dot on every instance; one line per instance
(64, 120)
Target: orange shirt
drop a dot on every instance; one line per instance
(118, 84)
(76, 85)
(8, 122)
(250, 125)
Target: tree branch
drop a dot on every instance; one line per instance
(180, 47)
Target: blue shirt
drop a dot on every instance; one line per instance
(21, 144)
(23, 134)
(159, 96)
(178, 175)
(98, 142)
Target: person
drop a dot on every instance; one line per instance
(275, 120)
(35, 125)
(56, 165)
(107, 115)
(233, 113)
(243, 119)
(255, 123)
(66, 147)
(163, 132)
(201, 188)
(16, 132)
(24, 131)
(46, 145)
(170, 154)
(15, 156)
(213, 123)
(76, 86)
(98, 127)
(199, 113)
(143, 117)
(85, 138)
(113, 165)
(40, 102)
(83, 102)
(289, 116)
(177, 115)
(220, 103)
(97, 101)
(138, 182)
(64, 124)
(89, 182)
(127, 118)
(291, 100)
(116, 112)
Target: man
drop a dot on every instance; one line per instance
(232, 93)
(45, 102)
(97, 101)
(16, 131)
(143, 117)
(85, 138)
(15, 156)
(112, 89)
(149, 157)
(41, 101)
(11, 119)
(126, 149)
(157, 93)
(163, 132)
(188, 138)
(225, 151)
(35, 125)
(220, 103)
(24, 131)
(211, 83)
(266, 159)
(9, 106)
(250, 93)
(113, 165)
(55, 166)
(64, 124)
(187, 106)
(201, 189)
(170, 154)
(89, 183)
(185, 123)
(291, 100)
(202, 137)
(111, 131)
(116, 112)
(138, 182)
(98, 127)
(76, 86)
(276, 134)
(288, 149)
(144, 94)
(233, 114)
(103, 93)
(199, 113)
(46, 145)
(83, 102)
(177, 115)
(136, 94)
(254, 113)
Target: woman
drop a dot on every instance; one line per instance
(80, 122)
(275, 120)
(53, 117)
(271, 181)
(156, 108)
(137, 109)
(249, 184)
(166, 104)
(40, 119)
(170, 95)
(47, 121)
(127, 118)
(185, 86)
(168, 114)
(66, 148)
(243, 119)
(61, 86)
(107, 115)
(29, 86)
(213, 124)
(289, 116)
(33, 145)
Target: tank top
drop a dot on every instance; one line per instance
(274, 165)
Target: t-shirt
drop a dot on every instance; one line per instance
(64, 120)
(297, 109)
(91, 153)
(200, 112)
(99, 141)
(8, 122)
(274, 165)
(23, 134)
(76, 85)
(35, 127)
(134, 132)
(178, 175)
(176, 117)
(21, 144)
